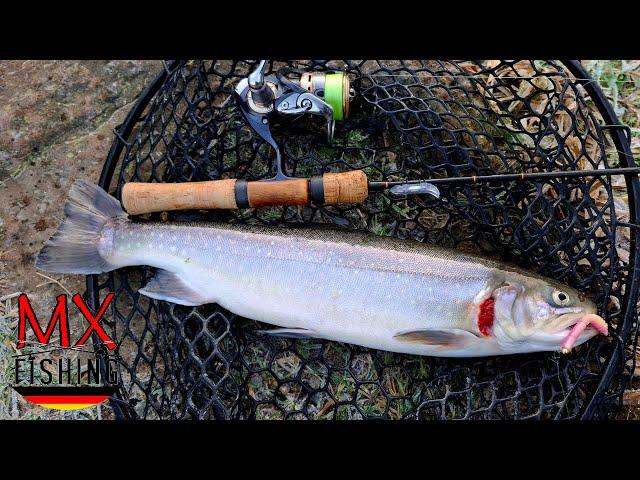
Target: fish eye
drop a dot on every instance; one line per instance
(561, 298)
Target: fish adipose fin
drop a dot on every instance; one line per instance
(73, 248)
(290, 333)
(454, 338)
(169, 287)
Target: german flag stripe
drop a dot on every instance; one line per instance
(66, 398)
(90, 399)
(67, 406)
(62, 391)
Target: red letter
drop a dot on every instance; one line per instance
(59, 313)
(93, 321)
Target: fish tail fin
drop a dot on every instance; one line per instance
(73, 248)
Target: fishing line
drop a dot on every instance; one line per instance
(491, 76)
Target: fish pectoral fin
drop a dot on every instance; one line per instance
(453, 338)
(290, 333)
(169, 287)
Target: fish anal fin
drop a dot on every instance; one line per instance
(289, 333)
(454, 338)
(168, 286)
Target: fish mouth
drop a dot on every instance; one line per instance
(575, 332)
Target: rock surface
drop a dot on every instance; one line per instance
(56, 123)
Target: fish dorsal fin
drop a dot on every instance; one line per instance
(168, 286)
(453, 338)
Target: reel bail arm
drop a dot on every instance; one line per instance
(262, 96)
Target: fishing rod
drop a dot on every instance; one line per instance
(328, 189)
(289, 91)
(404, 187)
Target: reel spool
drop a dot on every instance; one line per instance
(334, 87)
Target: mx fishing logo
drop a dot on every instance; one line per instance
(62, 375)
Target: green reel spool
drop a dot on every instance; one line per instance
(336, 94)
(333, 87)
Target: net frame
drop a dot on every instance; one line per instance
(451, 386)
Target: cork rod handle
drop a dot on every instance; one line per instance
(331, 188)
(138, 198)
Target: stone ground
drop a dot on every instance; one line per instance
(56, 122)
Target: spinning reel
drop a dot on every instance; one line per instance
(326, 94)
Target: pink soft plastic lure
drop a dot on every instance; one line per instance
(591, 319)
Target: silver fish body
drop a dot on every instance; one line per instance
(347, 287)
(377, 292)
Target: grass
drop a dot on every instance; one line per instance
(620, 82)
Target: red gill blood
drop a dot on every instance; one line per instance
(486, 316)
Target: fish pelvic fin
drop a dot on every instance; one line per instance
(446, 339)
(290, 333)
(73, 248)
(168, 286)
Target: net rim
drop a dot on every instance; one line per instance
(601, 104)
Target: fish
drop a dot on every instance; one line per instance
(337, 284)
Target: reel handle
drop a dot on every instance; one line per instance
(328, 189)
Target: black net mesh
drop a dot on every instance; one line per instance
(409, 120)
